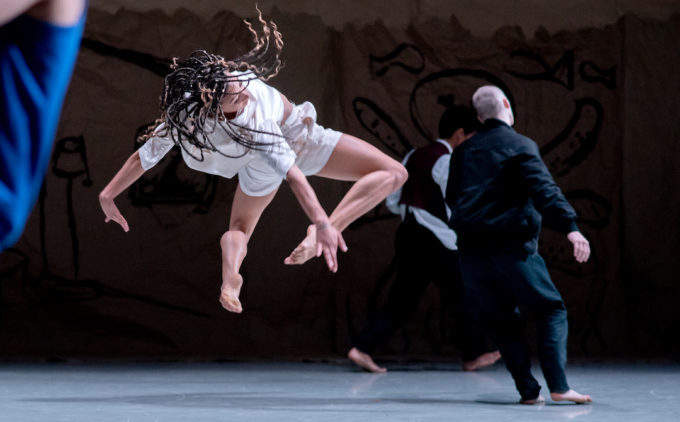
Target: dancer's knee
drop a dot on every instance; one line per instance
(232, 238)
(399, 176)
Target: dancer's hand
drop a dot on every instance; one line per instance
(328, 239)
(112, 213)
(581, 246)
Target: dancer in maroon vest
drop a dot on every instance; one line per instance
(426, 251)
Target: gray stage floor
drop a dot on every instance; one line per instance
(322, 392)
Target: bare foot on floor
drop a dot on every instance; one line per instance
(231, 288)
(364, 360)
(571, 395)
(537, 400)
(305, 251)
(482, 360)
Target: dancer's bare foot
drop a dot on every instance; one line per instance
(481, 361)
(538, 400)
(364, 360)
(305, 251)
(571, 395)
(231, 288)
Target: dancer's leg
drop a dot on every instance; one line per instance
(414, 274)
(469, 331)
(534, 289)
(551, 316)
(245, 213)
(376, 175)
(485, 279)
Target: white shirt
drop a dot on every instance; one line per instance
(259, 172)
(440, 174)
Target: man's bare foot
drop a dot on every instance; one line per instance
(538, 400)
(231, 288)
(305, 251)
(485, 359)
(571, 395)
(364, 360)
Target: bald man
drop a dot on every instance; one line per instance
(500, 192)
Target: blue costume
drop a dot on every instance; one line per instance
(36, 63)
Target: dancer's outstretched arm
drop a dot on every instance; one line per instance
(328, 237)
(127, 175)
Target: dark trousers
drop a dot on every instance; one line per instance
(497, 282)
(421, 260)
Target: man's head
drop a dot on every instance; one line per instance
(457, 124)
(490, 102)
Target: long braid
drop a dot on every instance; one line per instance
(191, 103)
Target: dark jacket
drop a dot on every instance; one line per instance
(499, 191)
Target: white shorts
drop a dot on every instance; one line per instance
(311, 142)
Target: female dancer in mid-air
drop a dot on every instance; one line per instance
(227, 121)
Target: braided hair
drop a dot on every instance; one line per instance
(191, 103)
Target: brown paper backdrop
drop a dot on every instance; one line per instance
(599, 103)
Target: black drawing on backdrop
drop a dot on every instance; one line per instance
(416, 117)
(577, 140)
(158, 65)
(405, 56)
(590, 72)
(379, 124)
(562, 72)
(173, 183)
(593, 210)
(69, 161)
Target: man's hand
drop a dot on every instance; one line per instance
(581, 246)
(112, 213)
(328, 239)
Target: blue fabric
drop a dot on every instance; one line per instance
(36, 63)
